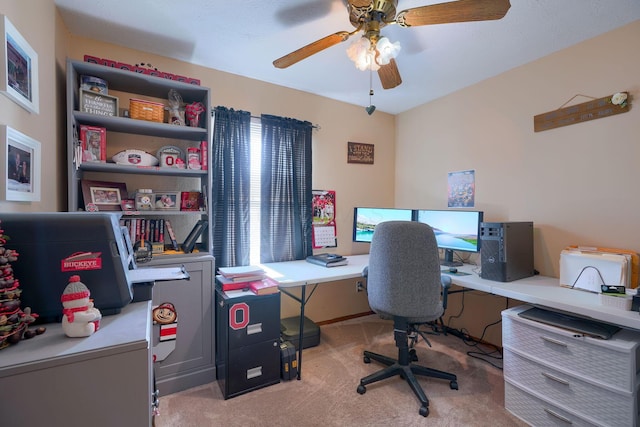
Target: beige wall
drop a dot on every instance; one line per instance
(38, 29)
(578, 183)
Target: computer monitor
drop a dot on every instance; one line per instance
(366, 219)
(455, 230)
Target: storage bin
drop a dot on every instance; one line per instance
(290, 331)
(146, 110)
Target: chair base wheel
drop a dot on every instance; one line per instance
(366, 359)
(412, 355)
(453, 385)
(362, 389)
(424, 411)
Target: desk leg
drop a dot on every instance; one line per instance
(303, 302)
(301, 331)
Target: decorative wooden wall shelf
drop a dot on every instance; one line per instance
(591, 110)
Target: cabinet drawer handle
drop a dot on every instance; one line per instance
(558, 416)
(554, 378)
(256, 328)
(254, 372)
(554, 341)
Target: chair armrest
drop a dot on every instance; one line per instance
(446, 284)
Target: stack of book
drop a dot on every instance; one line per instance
(328, 260)
(246, 278)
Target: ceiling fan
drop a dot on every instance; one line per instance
(374, 51)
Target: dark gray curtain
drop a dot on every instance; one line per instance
(286, 189)
(230, 186)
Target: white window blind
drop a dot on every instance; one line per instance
(254, 209)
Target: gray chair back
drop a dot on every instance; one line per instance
(404, 272)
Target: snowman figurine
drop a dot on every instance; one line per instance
(80, 318)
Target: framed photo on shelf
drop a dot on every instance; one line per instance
(105, 196)
(93, 140)
(168, 200)
(144, 201)
(190, 201)
(21, 163)
(19, 70)
(128, 205)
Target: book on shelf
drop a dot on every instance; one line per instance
(327, 260)
(172, 235)
(265, 286)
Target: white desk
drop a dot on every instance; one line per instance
(538, 290)
(546, 291)
(292, 274)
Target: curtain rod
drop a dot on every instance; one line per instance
(312, 125)
(257, 117)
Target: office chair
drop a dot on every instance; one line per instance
(404, 284)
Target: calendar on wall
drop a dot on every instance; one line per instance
(324, 219)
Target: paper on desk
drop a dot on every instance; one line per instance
(146, 275)
(589, 271)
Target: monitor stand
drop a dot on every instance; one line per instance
(448, 259)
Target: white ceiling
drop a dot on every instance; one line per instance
(244, 37)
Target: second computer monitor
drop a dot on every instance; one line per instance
(455, 230)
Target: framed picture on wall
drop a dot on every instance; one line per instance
(21, 162)
(19, 70)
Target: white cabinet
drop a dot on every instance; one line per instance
(556, 377)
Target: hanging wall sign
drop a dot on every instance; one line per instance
(360, 153)
(591, 110)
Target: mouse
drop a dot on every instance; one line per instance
(453, 270)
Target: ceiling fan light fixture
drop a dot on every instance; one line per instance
(386, 50)
(367, 56)
(363, 56)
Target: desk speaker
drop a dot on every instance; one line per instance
(506, 250)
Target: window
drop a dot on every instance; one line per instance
(254, 209)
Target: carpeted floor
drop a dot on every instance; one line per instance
(326, 395)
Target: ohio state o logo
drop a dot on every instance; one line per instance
(239, 316)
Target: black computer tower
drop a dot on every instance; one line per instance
(506, 250)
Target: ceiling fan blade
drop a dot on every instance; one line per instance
(389, 75)
(311, 48)
(455, 11)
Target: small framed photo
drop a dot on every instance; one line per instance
(168, 200)
(21, 163)
(93, 140)
(19, 70)
(128, 205)
(144, 201)
(190, 201)
(106, 196)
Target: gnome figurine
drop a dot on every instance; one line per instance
(80, 318)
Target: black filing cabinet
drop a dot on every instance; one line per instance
(247, 341)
